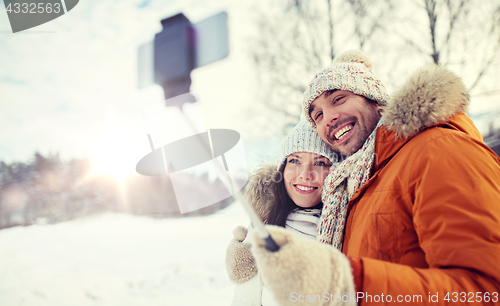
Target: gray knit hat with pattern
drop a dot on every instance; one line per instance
(351, 71)
(303, 138)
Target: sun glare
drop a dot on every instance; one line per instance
(110, 163)
(114, 155)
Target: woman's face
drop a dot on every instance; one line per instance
(303, 176)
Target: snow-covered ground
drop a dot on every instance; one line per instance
(118, 259)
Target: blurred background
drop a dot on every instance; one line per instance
(78, 226)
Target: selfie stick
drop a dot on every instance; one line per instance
(256, 221)
(171, 70)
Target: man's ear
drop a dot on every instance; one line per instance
(379, 109)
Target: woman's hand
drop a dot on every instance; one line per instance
(240, 264)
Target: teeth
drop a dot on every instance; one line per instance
(304, 188)
(342, 132)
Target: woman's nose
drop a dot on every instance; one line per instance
(306, 173)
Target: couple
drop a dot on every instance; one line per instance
(412, 214)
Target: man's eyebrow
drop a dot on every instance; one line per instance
(329, 92)
(311, 108)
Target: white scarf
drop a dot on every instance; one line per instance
(303, 222)
(340, 185)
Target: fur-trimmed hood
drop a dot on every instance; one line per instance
(260, 189)
(430, 96)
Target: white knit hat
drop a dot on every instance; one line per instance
(351, 71)
(303, 138)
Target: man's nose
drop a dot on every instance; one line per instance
(331, 116)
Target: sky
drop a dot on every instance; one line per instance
(69, 86)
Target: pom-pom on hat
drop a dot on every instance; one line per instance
(351, 71)
(303, 138)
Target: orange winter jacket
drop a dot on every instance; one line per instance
(426, 226)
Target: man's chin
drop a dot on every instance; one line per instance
(345, 149)
(347, 152)
(348, 149)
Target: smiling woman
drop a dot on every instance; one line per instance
(304, 164)
(288, 195)
(304, 175)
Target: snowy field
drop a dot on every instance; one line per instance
(118, 259)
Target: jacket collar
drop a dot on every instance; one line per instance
(387, 143)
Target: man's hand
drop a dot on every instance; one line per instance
(304, 267)
(240, 264)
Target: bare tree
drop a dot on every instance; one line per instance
(301, 40)
(369, 17)
(461, 34)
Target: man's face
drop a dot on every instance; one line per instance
(344, 120)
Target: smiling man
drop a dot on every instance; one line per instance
(412, 212)
(344, 119)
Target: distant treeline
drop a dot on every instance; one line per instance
(48, 190)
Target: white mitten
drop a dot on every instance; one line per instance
(304, 270)
(240, 264)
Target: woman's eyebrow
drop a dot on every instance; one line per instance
(295, 155)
